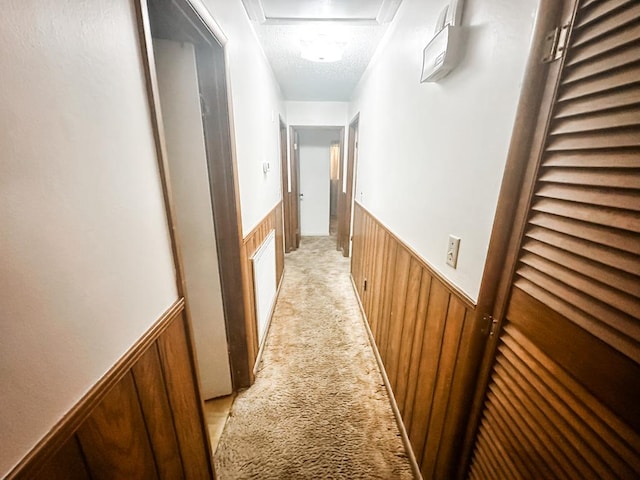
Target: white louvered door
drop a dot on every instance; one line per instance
(564, 396)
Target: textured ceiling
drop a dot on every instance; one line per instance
(284, 22)
(302, 79)
(321, 9)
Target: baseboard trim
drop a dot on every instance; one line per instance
(392, 399)
(266, 333)
(72, 420)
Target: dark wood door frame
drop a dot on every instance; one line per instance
(517, 186)
(289, 241)
(293, 226)
(346, 198)
(179, 20)
(340, 183)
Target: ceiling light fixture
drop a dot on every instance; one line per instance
(322, 50)
(323, 45)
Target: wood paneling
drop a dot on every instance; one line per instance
(251, 242)
(147, 373)
(117, 426)
(181, 385)
(143, 420)
(428, 338)
(67, 464)
(279, 227)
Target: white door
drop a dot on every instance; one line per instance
(181, 114)
(315, 159)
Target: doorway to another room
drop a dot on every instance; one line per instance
(316, 184)
(316, 179)
(187, 76)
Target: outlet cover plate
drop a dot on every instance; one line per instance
(452, 251)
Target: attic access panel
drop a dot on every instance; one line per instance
(295, 11)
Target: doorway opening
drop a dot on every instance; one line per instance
(314, 178)
(187, 84)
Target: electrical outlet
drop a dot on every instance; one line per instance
(452, 250)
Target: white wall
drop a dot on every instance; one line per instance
(187, 157)
(315, 154)
(86, 265)
(432, 156)
(333, 114)
(317, 113)
(257, 105)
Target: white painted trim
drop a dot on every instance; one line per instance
(209, 21)
(387, 11)
(255, 11)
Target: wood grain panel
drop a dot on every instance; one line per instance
(67, 464)
(117, 426)
(428, 369)
(416, 351)
(279, 227)
(397, 320)
(427, 335)
(149, 380)
(449, 352)
(180, 382)
(250, 243)
(378, 271)
(408, 332)
(386, 298)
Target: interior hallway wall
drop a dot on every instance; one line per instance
(257, 106)
(317, 113)
(431, 156)
(86, 265)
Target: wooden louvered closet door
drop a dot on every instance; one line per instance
(563, 399)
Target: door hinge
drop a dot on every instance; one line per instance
(491, 325)
(555, 43)
(295, 146)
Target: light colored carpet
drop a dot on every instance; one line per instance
(318, 408)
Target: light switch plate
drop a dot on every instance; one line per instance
(452, 250)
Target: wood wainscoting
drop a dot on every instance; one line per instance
(427, 335)
(250, 243)
(143, 419)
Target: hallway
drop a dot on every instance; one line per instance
(318, 408)
(161, 158)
